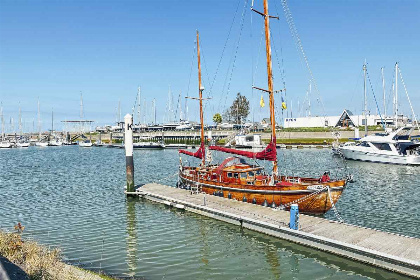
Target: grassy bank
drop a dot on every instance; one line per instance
(306, 141)
(39, 262)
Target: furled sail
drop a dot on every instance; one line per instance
(269, 153)
(198, 154)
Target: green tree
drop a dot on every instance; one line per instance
(239, 109)
(217, 118)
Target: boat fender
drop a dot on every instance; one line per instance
(265, 203)
(229, 196)
(273, 205)
(254, 201)
(221, 193)
(244, 199)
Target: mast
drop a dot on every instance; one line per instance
(364, 88)
(309, 97)
(52, 121)
(270, 79)
(383, 87)
(81, 106)
(396, 95)
(39, 123)
(200, 96)
(2, 122)
(20, 120)
(154, 111)
(138, 105)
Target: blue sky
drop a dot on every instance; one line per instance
(106, 49)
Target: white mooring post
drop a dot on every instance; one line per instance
(128, 143)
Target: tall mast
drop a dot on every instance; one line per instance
(81, 106)
(119, 110)
(52, 120)
(138, 105)
(20, 120)
(270, 79)
(309, 97)
(200, 96)
(364, 88)
(2, 121)
(383, 88)
(154, 111)
(39, 123)
(396, 95)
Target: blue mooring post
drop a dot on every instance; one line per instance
(294, 217)
(128, 121)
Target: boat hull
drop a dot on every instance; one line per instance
(313, 200)
(23, 145)
(85, 145)
(41, 144)
(380, 158)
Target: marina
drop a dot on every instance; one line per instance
(121, 240)
(248, 148)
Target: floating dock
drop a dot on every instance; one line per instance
(390, 251)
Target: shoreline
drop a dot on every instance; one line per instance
(26, 259)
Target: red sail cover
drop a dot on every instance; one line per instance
(269, 153)
(198, 154)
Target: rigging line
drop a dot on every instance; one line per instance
(259, 53)
(189, 79)
(224, 48)
(298, 42)
(409, 101)
(391, 91)
(236, 49)
(377, 106)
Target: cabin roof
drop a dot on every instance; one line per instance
(242, 168)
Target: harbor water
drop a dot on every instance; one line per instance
(72, 198)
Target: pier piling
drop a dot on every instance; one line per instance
(128, 143)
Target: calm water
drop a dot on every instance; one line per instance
(71, 198)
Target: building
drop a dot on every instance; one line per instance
(346, 119)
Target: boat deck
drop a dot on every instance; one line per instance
(386, 250)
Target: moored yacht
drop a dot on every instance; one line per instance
(393, 147)
(5, 145)
(86, 143)
(148, 145)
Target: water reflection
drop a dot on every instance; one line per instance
(272, 258)
(131, 238)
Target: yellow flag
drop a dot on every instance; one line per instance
(283, 105)
(262, 104)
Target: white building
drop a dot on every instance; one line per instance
(346, 119)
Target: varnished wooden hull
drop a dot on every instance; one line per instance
(314, 200)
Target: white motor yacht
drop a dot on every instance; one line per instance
(392, 147)
(55, 143)
(41, 144)
(148, 145)
(23, 144)
(6, 145)
(86, 143)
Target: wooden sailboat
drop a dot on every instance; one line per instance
(236, 179)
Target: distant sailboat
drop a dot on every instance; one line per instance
(54, 140)
(22, 143)
(40, 143)
(3, 144)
